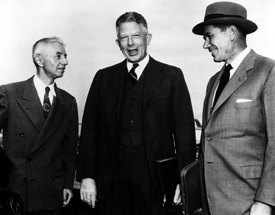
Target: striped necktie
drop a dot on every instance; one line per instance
(46, 104)
(132, 75)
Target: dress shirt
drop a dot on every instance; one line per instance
(235, 64)
(141, 66)
(40, 88)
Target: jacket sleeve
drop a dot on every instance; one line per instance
(265, 191)
(183, 122)
(89, 134)
(3, 107)
(69, 147)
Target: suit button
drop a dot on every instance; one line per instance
(23, 179)
(208, 139)
(53, 180)
(30, 159)
(22, 134)
(132, 121)
(53, 160)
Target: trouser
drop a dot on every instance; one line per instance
(133, 191)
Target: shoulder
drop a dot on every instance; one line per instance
(109, 69)
(167, 69)
(16, 86)
(66, 96)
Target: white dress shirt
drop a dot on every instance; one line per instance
(40, 88)
(142, 64)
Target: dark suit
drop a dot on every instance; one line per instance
(43, 151)
(238, 138)
(166, 116)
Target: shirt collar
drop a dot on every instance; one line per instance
(238, 60)
(40, 86)
(142, 64)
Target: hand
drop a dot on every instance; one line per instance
(88, 191)
(67, 196)
(259, 208)
(177, 196)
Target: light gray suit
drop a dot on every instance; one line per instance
(238, 141)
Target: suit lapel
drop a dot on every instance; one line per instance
(239, 77)
(153, 77)
(31, 105)
(117, 80)
(53, 121)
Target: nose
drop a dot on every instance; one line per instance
(65, 61)
(206, 44)
(130, 41)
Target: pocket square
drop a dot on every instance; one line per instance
(243, 100)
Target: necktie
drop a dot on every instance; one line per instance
(223, 81)
(46, 104)
(132, 75)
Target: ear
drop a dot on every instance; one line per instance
(148, 37)
(38, 60)
(233, 32)
(117, 42)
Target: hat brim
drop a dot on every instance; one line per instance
(246, 25)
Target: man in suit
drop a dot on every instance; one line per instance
(40, 132)
(132, 119)
(238, 142)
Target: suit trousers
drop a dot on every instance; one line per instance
(57, 212)
(133, 191)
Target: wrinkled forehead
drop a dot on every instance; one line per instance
(131, 27)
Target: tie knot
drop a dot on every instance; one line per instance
(228, 67)
(47, 90)
(135, 65)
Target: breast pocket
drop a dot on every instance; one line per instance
(248, 104)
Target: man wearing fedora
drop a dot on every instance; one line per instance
(238, 139)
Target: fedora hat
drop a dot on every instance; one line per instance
(227, 13)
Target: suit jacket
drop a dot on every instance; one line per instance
(5, 168)
(167, 118)
(238, 138)
(43, 152)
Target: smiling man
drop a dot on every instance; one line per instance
(137, 112)
(238, 141)
(40, 133)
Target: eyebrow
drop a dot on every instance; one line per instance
(206, 34)
(61, 53)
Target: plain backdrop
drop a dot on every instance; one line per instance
(88, 29)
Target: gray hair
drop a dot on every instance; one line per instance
(44, 41)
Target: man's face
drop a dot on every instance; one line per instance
(133, 41)
(54, 60)
(218, 43)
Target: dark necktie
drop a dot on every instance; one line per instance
(223, 81)
(46, 104)
(132, 75)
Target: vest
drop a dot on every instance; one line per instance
(131, 106)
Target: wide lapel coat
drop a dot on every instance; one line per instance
(43, 151)
(236, 136)
(166, 111)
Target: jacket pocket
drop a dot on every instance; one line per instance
(248, 104)
(253, 171)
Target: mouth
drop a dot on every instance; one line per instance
(132, 52)
(212, 50)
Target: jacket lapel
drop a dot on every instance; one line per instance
(153, 77)
(239, 77)
(117, 83)
(53, 120)
(31, 105)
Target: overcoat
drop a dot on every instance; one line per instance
(238, 140)
(167, 122)
(43, 151)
